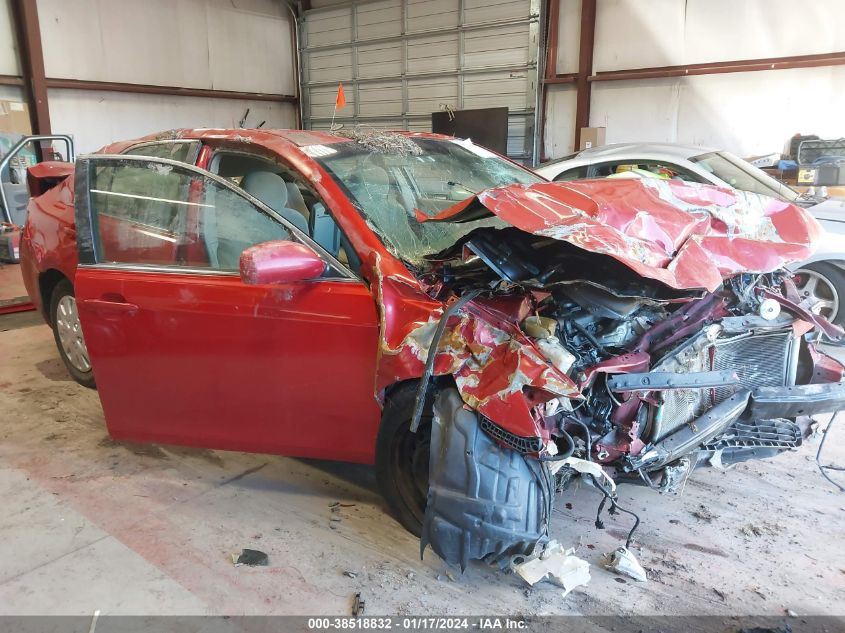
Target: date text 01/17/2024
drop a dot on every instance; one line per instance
(480, 623)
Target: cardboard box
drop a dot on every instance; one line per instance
(807, 176)
(14, 118)
(592, 137)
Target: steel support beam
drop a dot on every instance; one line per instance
(31, 57)
(10, 80)
(585, 67)
(150, 89)
(713, 68)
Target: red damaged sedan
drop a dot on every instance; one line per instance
(418, 302)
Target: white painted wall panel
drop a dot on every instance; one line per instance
(631, 34)
(226, 45)
(756, 113)
(637, 34)
(641, 110)
(568, 36)
(755, 29)
(746, 113)
(11, 93)
(8, 53)
(96, 119)
(559, 136)
(251, 51)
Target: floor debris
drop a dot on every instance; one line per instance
(251, 558)
(358, 605)
(623, 562)
(555, 565)
(760, 530)
(349, 573)
(703, 513)
(786, 629)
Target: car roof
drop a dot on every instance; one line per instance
(675, 151)
(260, 136)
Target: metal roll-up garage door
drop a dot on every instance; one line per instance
(401, 60)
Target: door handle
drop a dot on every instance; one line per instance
(105, 306)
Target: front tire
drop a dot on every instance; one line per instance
(823, 285)
(402, 457)
(67, 333)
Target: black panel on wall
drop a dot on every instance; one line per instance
(487, 127)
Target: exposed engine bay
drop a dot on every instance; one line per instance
(662, 381)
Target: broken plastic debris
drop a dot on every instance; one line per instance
(623, 562)
(250, 557)
(554, 564)
(585, 468)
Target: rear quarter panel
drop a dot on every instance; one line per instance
(48, 241)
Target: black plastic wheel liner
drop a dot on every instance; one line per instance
(484, 501)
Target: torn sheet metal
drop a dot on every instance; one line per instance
(492, 360)
(683, 234)
(553, 564)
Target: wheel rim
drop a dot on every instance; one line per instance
(819, 293)
(70, 334)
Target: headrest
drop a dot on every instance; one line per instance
(268, 187)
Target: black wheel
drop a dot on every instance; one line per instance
(823, 285)
(68, 334)
(402, 457)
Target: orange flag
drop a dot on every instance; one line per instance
(340, 100)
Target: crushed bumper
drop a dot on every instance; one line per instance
(792, 402)
(763, 403)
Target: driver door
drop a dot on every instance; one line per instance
(183, 351)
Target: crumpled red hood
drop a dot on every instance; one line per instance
(685, 235)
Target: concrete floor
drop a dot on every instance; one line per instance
(89, 524)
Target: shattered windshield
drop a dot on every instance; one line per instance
(387, 181)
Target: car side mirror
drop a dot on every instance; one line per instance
(279, 262)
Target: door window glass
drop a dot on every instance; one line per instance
(633, 168)
(183, 151)
(157, 214)
(576, 173)
(284, 191)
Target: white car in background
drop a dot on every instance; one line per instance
(821, 279)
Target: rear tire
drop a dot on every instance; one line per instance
(402, 457)
(67, 333)
(826, 283)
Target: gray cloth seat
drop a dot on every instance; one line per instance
(272, 190)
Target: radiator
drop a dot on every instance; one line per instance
(761, 360)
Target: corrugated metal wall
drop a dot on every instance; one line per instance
(401, 60)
